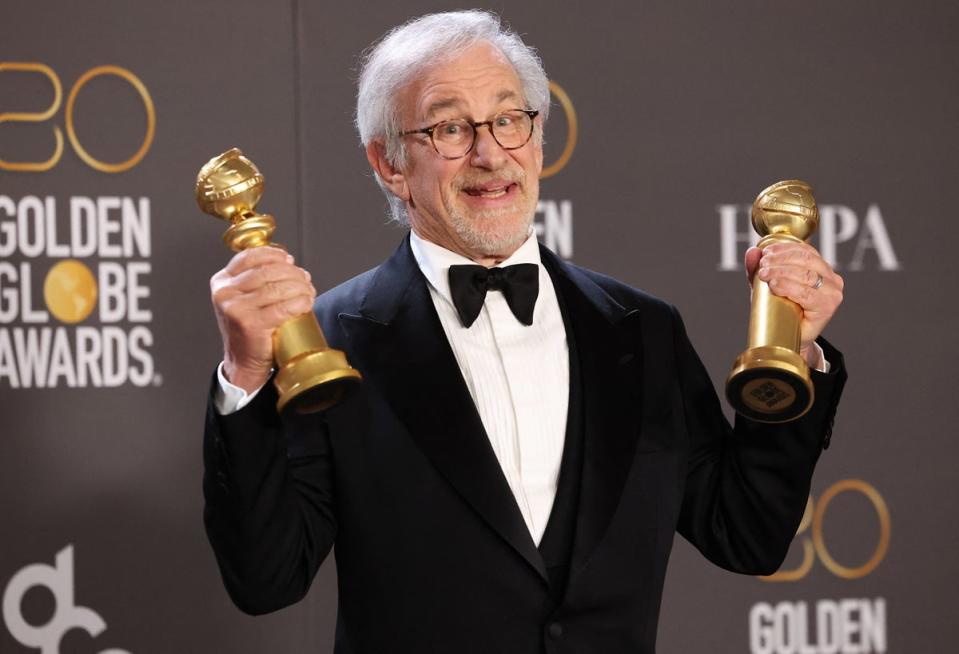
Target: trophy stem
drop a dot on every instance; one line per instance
(250, 231)
(770, 381)
(773, 321)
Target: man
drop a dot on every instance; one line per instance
(525, 442)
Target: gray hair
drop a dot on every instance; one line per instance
(405, 52)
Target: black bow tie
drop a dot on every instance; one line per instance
(519, 285)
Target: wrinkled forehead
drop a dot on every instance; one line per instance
(473, 83)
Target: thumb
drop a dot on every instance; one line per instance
(753, 255)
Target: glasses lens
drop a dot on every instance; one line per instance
(453, 138)
(512, 129)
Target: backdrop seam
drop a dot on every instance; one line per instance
(298, 129)
(308, 631)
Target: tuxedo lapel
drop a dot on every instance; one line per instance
(399, 345)
(610, 358)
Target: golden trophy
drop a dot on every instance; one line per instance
(310, 376)
(770, 381)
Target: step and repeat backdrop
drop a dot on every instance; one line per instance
(667, 119)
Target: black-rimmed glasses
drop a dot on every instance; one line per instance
(453, 139)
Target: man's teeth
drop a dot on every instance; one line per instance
(491, 193)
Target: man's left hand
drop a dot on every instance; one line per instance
(793, 271)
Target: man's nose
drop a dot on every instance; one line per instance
(487, 153)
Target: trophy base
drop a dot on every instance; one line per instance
(770, 384)
(314, 381)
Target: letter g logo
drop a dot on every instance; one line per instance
(66, 615)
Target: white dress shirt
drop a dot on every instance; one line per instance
(517, 375)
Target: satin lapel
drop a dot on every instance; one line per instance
(403, 353)
(610, 351)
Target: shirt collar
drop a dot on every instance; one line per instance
(435, 261)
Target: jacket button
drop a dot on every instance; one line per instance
(556, 630)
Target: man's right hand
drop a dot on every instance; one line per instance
(257, 291)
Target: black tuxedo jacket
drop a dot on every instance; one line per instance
(432, 553)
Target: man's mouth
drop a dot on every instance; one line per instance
(494, 190)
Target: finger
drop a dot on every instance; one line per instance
(254, 257)
(263, 285)
(253, 278)
(811, 300)
(797, 254)
(245, 313)
(803, 256)
(751, 260)
(787, 245)
(224, 286)
(805, 276)
(280, 312)
(281, 291)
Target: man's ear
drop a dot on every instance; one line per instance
(391, 176)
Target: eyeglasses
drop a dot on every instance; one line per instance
(453, 139)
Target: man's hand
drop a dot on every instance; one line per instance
(793, 271)
(257, 291)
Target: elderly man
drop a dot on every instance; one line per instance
(528, 436)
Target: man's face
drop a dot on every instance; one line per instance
(482, 204)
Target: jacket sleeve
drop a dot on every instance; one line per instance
(269, 512)
(746, 487)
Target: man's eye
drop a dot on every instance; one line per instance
(504, 120)
(451, 129)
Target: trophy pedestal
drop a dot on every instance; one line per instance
(314, 382)
(310, 375)
(770, 384)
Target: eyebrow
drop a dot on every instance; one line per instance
(506, 94)
(448, 103)
(440, 105)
